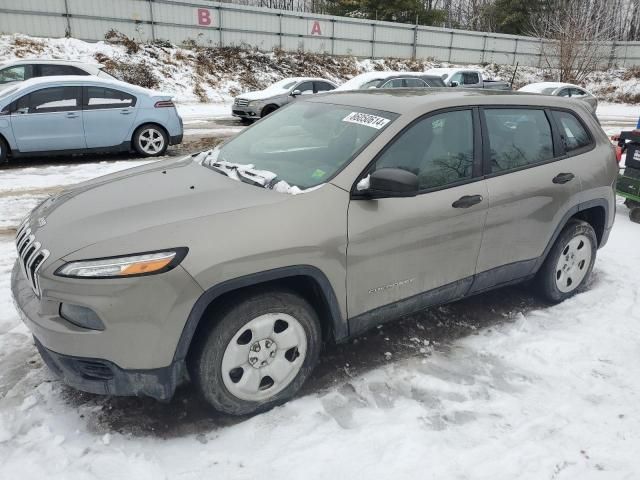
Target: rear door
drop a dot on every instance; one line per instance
(532, 184)
(108, 116)
(49, 119)
(403, 247)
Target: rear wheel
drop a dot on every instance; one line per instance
(150, 140)
(569, 263)
(4, 151)
(258, 354)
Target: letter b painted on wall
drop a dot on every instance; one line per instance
(204, 17)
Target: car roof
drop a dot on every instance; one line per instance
(48, 61)
(63, 80)
(414, 101)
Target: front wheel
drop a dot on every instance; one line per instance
(150, 140)
(258, 353)
(569, 263)
(4, 151)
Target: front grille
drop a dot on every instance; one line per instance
(241, 102)
(31, 255)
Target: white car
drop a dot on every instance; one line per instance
(390, 79)
(560, 89)
(20, 70)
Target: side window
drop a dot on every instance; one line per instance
(572, 132)
(56, 99)
(438, 149)
(394, 83)
(305, 88)
(100, 97)
(16, 74)
(456, 78)
(323, 87)
(434, 82)
(51, 70)
(576, 92)
(414, 83)
(518, 137)
(564, 93)
(471, 78)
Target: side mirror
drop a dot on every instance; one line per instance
(295, 93)
(392, 182)
(455, 84)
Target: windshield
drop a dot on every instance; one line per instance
(281, 86)
(302, 145)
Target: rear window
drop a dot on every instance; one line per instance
(572, 134)
(517, 138)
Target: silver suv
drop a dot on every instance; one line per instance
(252, 106)
(335, 214)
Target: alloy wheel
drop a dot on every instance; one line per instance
(151, 141)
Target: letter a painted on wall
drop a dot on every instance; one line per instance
(204, 17)
(315, 28)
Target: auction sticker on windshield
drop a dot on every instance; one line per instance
(372, 121)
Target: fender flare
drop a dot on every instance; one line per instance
(338, 324)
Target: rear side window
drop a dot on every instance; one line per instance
(414, 83)
(52, 70)
(438, 149)
(323, 87)
(56, 99)
(572, 134)
(16, 74)
(517, 138)
(100, 98)
(434, 82)
(394, 83)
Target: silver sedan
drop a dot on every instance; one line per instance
(560, 89)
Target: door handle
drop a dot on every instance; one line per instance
(125, 112)
(467, 201)
(72, 115)
(563, 178)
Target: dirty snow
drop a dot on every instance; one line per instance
(531, 392)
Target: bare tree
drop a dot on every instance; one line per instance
(577, 38)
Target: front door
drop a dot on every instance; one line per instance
(531, 187)
(108, 116)
(421, 249)
(48, 119)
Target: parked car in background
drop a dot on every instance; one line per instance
(125, 291)
(21, 70)
(467, 78)
(560, 89)
(251, 106)
(71, 114)
(369, 80)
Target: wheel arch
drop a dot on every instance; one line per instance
(151, 122)
(594, 212)
(308, 281)
(6, 142)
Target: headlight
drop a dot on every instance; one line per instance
(129, 266)
(255, 103)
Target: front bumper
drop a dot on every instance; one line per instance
(106, 378)
(245, 112)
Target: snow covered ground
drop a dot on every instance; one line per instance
(498, 386)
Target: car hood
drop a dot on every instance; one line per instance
(261, 95)
(156, 194)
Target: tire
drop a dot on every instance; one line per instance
(4, 151)
(631, 204)
(237, 363)
(569, 263)
(267, 110)
(150, 140)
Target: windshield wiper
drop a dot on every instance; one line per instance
(245, 176)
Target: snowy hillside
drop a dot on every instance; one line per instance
(218, 74)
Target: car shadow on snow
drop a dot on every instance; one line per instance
(435, 328)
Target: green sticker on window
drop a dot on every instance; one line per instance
(318, 173)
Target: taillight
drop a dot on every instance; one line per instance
(164, 104)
